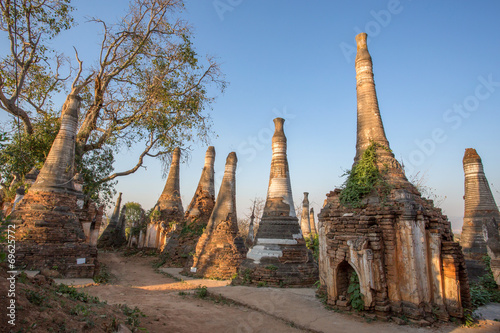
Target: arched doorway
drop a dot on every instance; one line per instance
(348, 287)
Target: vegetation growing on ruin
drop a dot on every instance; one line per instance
(486, 290)
(192, 229)
(354, 293)
(363, 178)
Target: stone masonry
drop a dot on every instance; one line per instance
(481, 218)
(48, 233)
(400, 246)
(220, 250)
(183, 241)
(279, 255)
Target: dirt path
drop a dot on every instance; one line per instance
(261, 309)
(137, 284)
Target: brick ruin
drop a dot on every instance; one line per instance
(49, 234)
(182, 243)
(279, 255)
(480, 233)
(168, 210)
(312, 222)
(220, 250)
(305, 223)
(114, 234)
(399, 245)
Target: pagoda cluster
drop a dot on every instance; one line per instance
(388, 242)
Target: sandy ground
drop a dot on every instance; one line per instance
(136, 283)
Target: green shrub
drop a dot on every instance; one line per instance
(133, 315)
(363, 178)
(201, 292)
(486, 290)
(354, 292)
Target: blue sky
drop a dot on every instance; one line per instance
(437, 74)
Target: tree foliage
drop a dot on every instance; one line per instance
(147, 88)
(135, 220)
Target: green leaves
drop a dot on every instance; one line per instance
(363, 178)
(354, 293)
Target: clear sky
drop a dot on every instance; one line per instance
(437, 74)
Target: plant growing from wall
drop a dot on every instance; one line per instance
(486, 290)
(363, 178)
(354, 293)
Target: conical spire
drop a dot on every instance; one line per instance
(279, 200)
(205, 189)
(312, 223)
(370, 127)
(478, 197)
(220, 251)
(116, 212)
(304, 220)
(111, 236)
(250, 236)
(279, 240)
(170, 199)
(58, 170)
(480, 206)
(225, 205)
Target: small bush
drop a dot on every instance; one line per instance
(486, 289)
(201, 292)
(133, 315)
(363, 178)
(354, 292)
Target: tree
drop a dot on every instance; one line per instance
(134, 215)
(148, 87)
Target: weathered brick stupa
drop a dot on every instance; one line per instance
(396, 243)
(314, 232)
(48, 233)
(113, 236)
(170, 212)
(481, 217)
(279, 255)
(220, 250)
(305, 223)
(183, 241)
